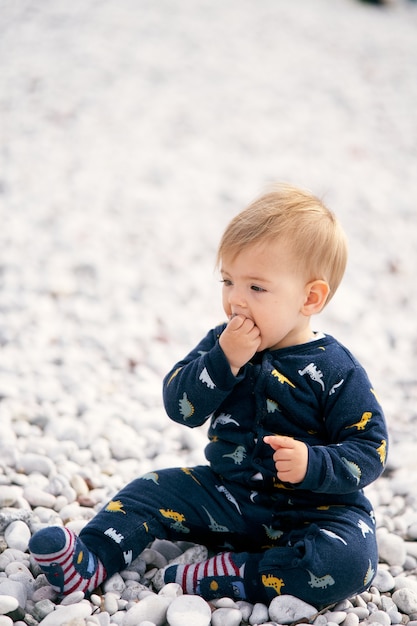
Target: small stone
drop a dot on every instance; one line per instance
(61, 616)
(351, 619)
(167, 548)
(152, 557)
(110, 603)
(245, 608)
(188, 610)
(286, 609)
(9, 494)
(259, 614)
(8, 604)
(223, 603)
(114, 584)
(171, 590)
(379, 617)
(392, 548)
(225, 617)
(38, 497)
(15, 589)
(336, 616)
(17, 535)
(402, 582)
(406, 600)
(16, 568)
(72, 598)
(152, 608)
(383, 580)
(31, 463)
(43, 608)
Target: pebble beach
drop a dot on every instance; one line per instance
(131, 132)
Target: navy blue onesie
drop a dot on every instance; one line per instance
(316, 539)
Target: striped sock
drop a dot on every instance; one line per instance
(66, 562)
(218, 577)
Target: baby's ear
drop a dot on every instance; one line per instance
(316, 294)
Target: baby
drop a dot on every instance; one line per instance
(296, 432)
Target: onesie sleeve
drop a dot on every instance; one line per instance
(198, 384)
(356, 453)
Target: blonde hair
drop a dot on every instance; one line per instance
(297, 217)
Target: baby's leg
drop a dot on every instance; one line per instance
(337, 558)
(176, 504)
(321, 565)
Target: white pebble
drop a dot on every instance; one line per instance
(286, 609)
(17, 535)
(14, 588)
(114, 584)
(226, 617)
(152, 608)
(379, 617)
(259, 614)
(36, 496)
(336, 616)
(8, 604)
(245, 608)
(402, 582)
(67, 613)
(383, 580)
(110, 603)
(351, 620)
(31, 463)
(406, 600)
(188, 610)
(72, 598)
(391, 547)
(171, 590)
(8, 495)
(223, 603)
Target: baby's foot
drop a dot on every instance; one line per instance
(66, 562)
(218, 577)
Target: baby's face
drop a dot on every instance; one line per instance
(262, 283)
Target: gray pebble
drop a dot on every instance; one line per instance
(383, 581)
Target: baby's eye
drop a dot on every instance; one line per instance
(226, 282)
(257, 288)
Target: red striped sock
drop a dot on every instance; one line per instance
(65, 560)
(219, 576)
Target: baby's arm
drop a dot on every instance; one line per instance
(196, 386)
